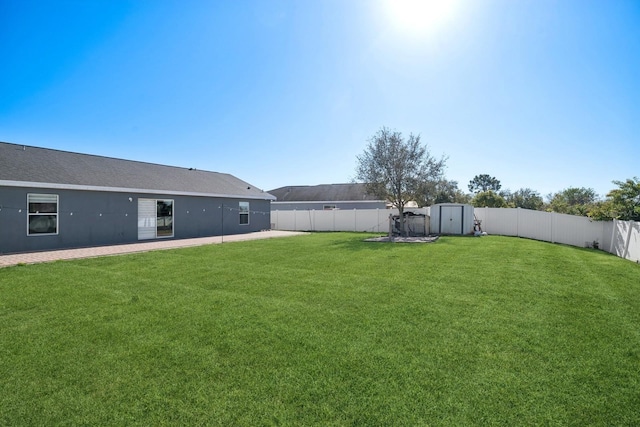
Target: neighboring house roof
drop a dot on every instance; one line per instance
(322, 193)
(22, 165)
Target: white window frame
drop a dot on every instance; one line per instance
(244, 208)
(148, 219)
(30, 214)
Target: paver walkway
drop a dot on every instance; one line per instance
(47, 256)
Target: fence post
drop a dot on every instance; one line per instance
(613, 235)
(486, 214)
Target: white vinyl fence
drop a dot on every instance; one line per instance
(625, 239)
(370, 220)
(621, 238)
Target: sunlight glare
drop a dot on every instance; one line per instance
(420, 17)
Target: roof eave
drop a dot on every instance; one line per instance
(77, 187)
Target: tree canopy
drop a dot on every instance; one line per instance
(626, 199)
(573, 201)
(621, 203)
(525, 198)
(441, 191)
(484, 182)
(489, 199)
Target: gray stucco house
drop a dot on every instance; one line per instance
(325, 197)
(51, 199)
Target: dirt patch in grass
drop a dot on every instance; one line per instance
(398, 239)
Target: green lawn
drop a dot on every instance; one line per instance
(324, 329)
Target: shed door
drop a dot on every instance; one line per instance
(451, 219)
(147, 214)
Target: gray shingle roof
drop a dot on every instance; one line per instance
(19, 163)
(322, 193)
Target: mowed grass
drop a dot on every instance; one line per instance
(324, 329)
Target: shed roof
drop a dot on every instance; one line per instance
(323, 193)
(22, 165)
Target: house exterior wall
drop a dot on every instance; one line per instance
(96, 218)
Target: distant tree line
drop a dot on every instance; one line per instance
(401, 169)
(622, 202)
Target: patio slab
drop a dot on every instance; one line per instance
(92, 252)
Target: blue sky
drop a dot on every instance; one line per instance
(543, 94)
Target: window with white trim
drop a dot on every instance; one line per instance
(42, 214)
(155, 218)
(244, 213)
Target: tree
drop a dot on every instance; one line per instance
(396, 169)
(484, 182)
(626, 199)
(621, 203)
(573, 201)
(442, 191)
(525, 198)
(489, 199)
(448, 192)
(602, 211)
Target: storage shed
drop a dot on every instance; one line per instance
(451, 218)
